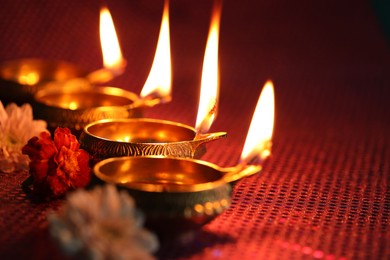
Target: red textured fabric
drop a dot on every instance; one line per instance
(324, 193)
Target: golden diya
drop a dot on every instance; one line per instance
(21, 78)
(76, 102)
(179, 194)
(24, 77)
(141, 136)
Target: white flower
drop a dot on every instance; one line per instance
(17, 126)
(102, 224)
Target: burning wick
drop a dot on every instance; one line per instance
(209, 90)
(157, 87)
(114, 63)
(258, 141)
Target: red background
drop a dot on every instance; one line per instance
(324, 193)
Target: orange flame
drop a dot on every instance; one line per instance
(209, 89)
(258, 140)
(158, 83)
(112, 55)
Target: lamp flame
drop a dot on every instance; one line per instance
(209, 90)
(158, 83)
(112, 55)
(258, 140)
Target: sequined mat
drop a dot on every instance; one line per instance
(323, 194)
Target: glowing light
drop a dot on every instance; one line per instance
(73, 105)
(112, 55)
(258, 140)
(209, 91)
(199, 208)
(158, 83)
(30, 78)
(124, 139)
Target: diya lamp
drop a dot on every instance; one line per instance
(21, 79)
(138, 137)
(143, 136)
(181, 194)
(24, 77)
(76, 102)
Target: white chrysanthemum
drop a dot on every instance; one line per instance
(17, 126)
(102, 224)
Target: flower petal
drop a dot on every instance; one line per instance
(63, 137)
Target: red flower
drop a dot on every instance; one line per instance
(57, 166)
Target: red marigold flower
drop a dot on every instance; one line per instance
(63, 137)
(40, 148)
(57, 166)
